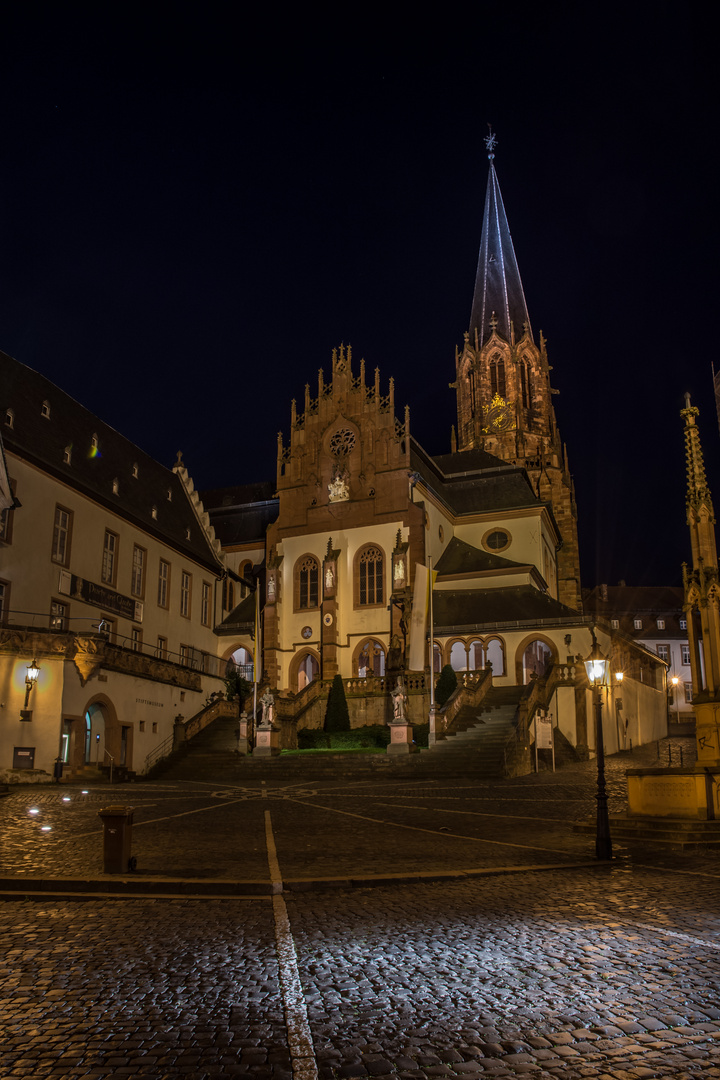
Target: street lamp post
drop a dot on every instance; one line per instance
(33, 673)
(598, 669)
(675, 681)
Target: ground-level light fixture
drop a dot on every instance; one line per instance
(597, 667)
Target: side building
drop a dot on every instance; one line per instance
(110, 578)
(655, 617)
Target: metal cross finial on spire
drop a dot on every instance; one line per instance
(490, 142)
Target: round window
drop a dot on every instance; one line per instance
(497, 540)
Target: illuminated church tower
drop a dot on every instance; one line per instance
(504, 397)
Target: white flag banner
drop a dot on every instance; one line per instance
(418, 620)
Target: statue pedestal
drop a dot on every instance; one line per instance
(401, 738)
(243, 742)
(267, 742)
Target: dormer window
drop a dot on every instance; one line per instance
(154, 513)
(45, 411)
(187, 534)
(615, 623)
(10, 418)
(169, 494)
(116, 486)
(94, 447)
(661, 624)
(683, 624)
(637, 623)
(67, 454)
(135, 470)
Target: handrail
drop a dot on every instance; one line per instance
(112, 762)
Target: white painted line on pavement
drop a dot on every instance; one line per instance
(302, 1051)
(438, 832)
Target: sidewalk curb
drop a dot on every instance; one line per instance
(120, 888)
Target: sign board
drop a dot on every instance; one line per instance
(543, 734)
(100, 596)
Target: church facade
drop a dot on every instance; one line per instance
(138, 595)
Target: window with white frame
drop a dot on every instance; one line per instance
(136, 639)
(661, 624)
(663, 652)
(206, 605)
(137, 581)
(688, 693)
(637, 623)
(163, 583)
(109, 560)
(615, 624)
(685, 654)
(185, 589)
(58, 615)
(683, 624)
(62, 531)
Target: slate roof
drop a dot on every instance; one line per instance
(242, 514)
(42, 441)
(467, 610)
(242, 617)
(498, 287)
(473, 481)
(462, 558)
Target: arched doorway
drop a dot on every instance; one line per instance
(95, 720)
(537, 657)
(242, 662)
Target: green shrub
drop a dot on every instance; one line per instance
(337, 716)
(236, 684)
(373, 735)
(446, 685)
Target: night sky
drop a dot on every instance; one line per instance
(196, 205)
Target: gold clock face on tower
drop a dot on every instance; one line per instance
(499, 419)
(499, 416)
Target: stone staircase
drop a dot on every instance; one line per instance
(676, 834)
(209, 755)
(480, 734)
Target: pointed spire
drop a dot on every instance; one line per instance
(498, 289)
(698, 491)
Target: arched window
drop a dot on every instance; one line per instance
(525, 389)
(497, 375)
(495, 655)
(370, 659)
(308, 670)
(536, 659)
(437, 659)
(458, 656)
(307, 582)
(476, 657)
(246, 574)
(228, 595)
(369, 576)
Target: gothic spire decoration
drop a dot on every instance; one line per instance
(498, 289)
(698, 492)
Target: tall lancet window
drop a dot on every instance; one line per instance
(472, 391)
(525, 384)
(497, 375)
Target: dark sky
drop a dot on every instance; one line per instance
(196, 205)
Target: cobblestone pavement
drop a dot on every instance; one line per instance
(329, 829)
(609, 972)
